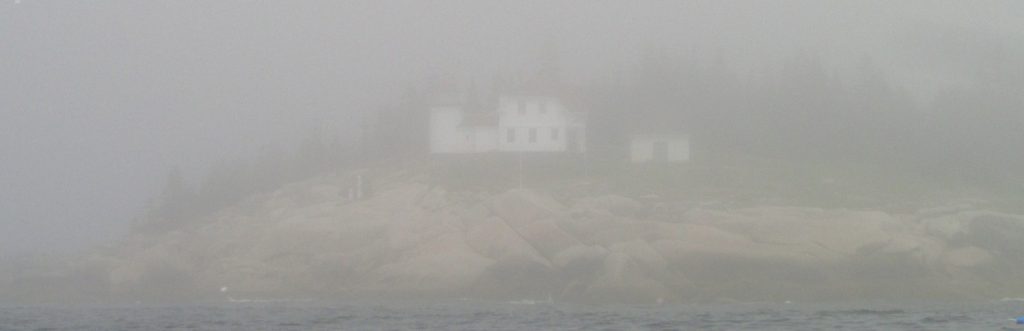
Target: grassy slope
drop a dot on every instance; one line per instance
(730, 179)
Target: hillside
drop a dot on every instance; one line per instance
(416, 237)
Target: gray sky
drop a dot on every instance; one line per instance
(101, 98)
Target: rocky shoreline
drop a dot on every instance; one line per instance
(412, 239)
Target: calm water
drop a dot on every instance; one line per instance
(473, 315)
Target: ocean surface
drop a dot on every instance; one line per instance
(522, 315)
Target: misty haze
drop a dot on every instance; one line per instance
(511, 165)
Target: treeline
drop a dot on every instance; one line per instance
(803, 110)
(798, 110)
(228, 182)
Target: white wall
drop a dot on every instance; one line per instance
(444, 123)
(542, 115)
(546, 117)
(445, 135)
(642, 147)
(448, 136)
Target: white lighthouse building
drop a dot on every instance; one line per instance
(522, 123)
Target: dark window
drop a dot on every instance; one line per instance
(511, 135)
(533, 135)
(554, 133)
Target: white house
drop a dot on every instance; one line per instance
(666, 148)
(539, 124)
(519, 124)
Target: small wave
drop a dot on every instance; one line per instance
(234, 300)
(945, 319)
(863, 312)
(532, 302)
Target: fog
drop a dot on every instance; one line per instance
(110, 106)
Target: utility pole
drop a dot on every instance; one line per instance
(586, 166)
(359, 186)
(520, 169)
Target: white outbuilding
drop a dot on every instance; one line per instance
(659, 147)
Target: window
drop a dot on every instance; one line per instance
(522, 107)
(511, 135)
(554, 133)
(543, 107)
(533, 135)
